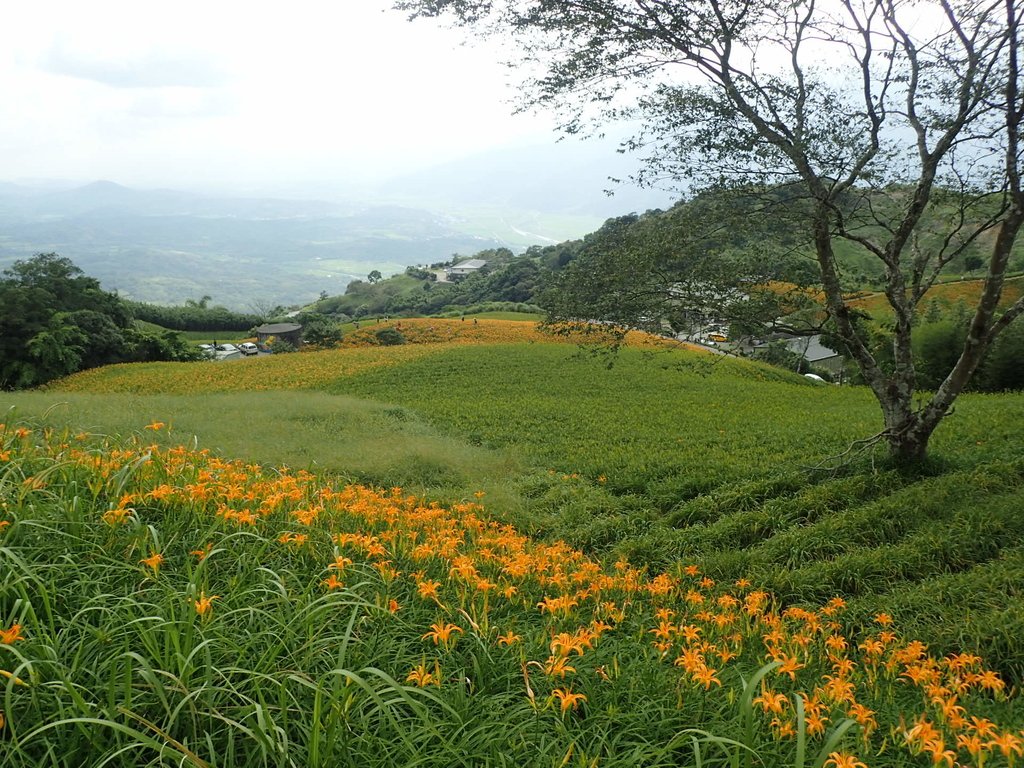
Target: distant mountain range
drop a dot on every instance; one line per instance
(578, 178)
(105, 198)
(165, 246)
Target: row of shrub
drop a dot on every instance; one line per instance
(195, 316)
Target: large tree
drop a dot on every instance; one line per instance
(55, 320)
(884, 118)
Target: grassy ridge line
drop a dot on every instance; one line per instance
(222, 615)
(360, 350)
(262, 374)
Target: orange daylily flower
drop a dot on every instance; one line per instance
(441, 633)
(12, 635)
(557, 666)
(973, 744)
(783, 728)
(567, 699)
(815, 723)
(990, 680)
(665, 630)
(204, 605)
(558, 605)
(423, 677)
(706, 676)
(690, 632)
(789, 666)
(843, 760)
(153, 561)
(1008, 744)
(771, 701)
(333, 582)
(939, 753)
(339, 563)
(428, 589)
(865, 717)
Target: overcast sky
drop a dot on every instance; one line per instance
(249, 93)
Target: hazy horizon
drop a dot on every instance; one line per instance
(344, 102)
(232, 96)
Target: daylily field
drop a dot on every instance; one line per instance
(165, 604)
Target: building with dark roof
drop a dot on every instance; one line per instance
(290, 332)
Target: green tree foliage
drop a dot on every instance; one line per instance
(508, 278)
(936, 343)
(194, 316)
(843, 104)
(973, 262)
(777, 353)
(202, 303)
(936, 348)
(389, 337)
(1004, 368)
(279, 346)
(673, 271)
(57, 320)
(319, 330)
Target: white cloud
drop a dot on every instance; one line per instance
(314, 89)
(151, 69)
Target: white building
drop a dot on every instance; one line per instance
(464, 269)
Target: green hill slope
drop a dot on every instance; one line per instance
(662, 457)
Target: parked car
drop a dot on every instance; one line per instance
(226, 352)
(248, 348)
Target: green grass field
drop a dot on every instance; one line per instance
(662, 459)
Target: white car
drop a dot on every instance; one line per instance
(226, 352)
(248, 348)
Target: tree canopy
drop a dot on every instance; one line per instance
(58, 320)
(893, 126)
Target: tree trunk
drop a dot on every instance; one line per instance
(908, 451)
(908, 446)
